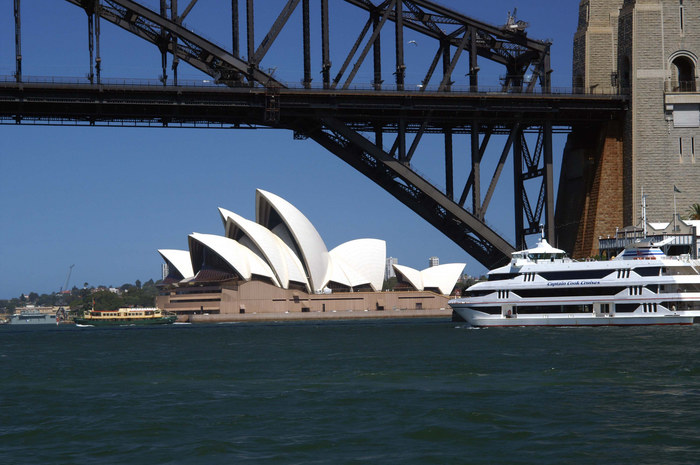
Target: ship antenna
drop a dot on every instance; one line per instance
(644, 213)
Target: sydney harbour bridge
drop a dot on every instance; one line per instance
(376, 127)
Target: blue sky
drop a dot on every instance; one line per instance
(105, 199)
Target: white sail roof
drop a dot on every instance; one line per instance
(284, 263)
(442, 277)
(411, 275)
(341, 273)
(240, 258)
(366, 257)
(178, 259)
(297, 232)
(284, 247)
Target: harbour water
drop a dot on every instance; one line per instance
(390, 392)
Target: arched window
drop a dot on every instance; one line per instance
(683, 74)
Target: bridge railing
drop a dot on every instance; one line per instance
(211, 83)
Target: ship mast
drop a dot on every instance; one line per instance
(644, 213)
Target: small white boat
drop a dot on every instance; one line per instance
(542, 287)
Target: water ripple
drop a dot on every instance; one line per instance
(350, 393)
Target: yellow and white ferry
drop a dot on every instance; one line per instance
(126, 317)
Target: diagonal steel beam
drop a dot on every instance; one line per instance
(355, 46)
(410, 196)
(187, 10)
(470, 179)
(274, 31)
(448, 73)
(399, 170)
(499, 167)
(431, 69)
(368, 45)
(199, 52)
(433, 13)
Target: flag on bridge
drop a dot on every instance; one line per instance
(675, 189)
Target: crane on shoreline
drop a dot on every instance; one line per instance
(61, 314)
(65, 286)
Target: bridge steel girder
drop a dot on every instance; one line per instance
(512, 49)
(466, 230)
(192, 48)
(337, 119)
(527, 165)
(117, 101)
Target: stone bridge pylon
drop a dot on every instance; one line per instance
(649, 50)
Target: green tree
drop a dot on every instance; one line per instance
(105, 300)
(390, 284)
(47, 300)
(694, 212)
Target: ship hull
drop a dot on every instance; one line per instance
(479, 319)
(126, 321)
(32, 319)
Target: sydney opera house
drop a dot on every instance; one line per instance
(278, 265)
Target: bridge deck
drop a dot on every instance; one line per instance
(246, 106)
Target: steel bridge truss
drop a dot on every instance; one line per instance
(358, 136)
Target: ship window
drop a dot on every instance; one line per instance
(533, 309)
(623, 273)
(686, 287)
(680, 305)
(648, 270)
(501, 276)
(529, 310)
(649, 308)
(626, 308)
(567, 292)
(681, 270)
(479, 293)
(580, 274)
(490, 310)
(635, 290)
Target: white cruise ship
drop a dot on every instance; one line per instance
(542, 287)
